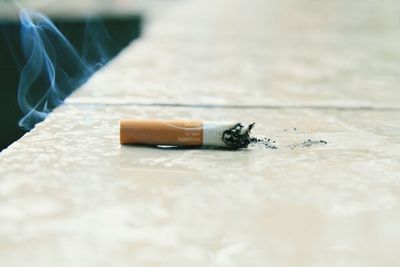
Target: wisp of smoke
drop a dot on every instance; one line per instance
(53, 65)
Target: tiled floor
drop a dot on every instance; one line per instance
(70, 195)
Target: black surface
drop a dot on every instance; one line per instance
(108, 33)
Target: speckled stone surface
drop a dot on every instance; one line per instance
(72, 196)
(304, 71)
(292, 53)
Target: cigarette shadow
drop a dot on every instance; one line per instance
(177, 148)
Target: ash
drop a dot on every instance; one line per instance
(263, 142)
(238, 136)
(308, 143)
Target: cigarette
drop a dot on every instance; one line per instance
(186, 133)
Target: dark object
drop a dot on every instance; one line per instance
(238, 136)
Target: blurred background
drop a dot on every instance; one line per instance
(120, 21)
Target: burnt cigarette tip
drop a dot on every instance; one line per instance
(238, 136)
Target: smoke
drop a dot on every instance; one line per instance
(54, 68)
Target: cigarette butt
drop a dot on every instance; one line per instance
(185, 133)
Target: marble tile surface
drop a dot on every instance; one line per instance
(291, 53)
(71, 195)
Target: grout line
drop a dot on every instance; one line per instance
(341, 108)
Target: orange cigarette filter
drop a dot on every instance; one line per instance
(185, 133)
